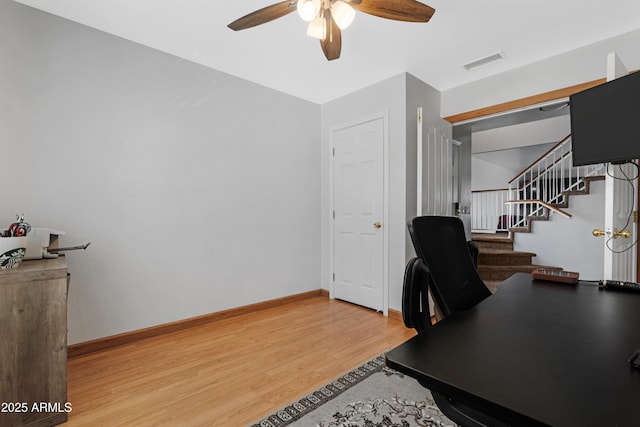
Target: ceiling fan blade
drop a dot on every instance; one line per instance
(264, 15)
(332, 42)
(398, 10)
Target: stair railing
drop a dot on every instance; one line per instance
(487, 208)
(539, 189)
(546, 182)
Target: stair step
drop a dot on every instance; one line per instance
(488, 237)
(505, 246)
(492, 241)
(504, 257)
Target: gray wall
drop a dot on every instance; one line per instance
(568, 242)
(198, 190)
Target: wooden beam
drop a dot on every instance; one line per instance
(524, 102)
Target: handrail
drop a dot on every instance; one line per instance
(542, 203)
(490, 190)
(549, 151)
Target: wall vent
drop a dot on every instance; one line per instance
(498, 56)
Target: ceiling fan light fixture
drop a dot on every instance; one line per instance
(317, 28)
(343, 14)
(309, 9)
(327, 18)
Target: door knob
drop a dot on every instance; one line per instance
(616, 233)
(377, 224)
(622, 233)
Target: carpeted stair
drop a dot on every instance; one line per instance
(497, 260)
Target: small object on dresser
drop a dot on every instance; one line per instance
(18, 228)
(13, 243)
(12, 250)
(552, 275)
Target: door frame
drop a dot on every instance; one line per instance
(384, 115)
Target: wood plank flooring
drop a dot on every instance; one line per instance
(230, 372)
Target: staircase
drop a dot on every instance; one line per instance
(542, 189)
(497, 260)
(546, 186)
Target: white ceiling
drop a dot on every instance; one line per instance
(279, 54)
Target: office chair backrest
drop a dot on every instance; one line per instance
(441, 243)
(473, 248)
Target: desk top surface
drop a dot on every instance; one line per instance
(538, 352)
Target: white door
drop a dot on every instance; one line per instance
(437, 186)
(619, 252)
(435, 171)
(358, 203)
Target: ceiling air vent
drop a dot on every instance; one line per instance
(498, 56)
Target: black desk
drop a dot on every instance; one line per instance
(535, 353)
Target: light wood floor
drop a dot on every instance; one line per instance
(227, 373)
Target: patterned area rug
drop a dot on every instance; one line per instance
(371, 395)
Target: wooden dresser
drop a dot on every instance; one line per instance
(33, 344)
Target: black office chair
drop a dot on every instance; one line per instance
(441, 243)
(455, 285)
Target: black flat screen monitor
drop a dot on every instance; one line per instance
(605, 122)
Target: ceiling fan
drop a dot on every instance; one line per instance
(328, 17)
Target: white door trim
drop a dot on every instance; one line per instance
(384, 115)
(619, 256)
